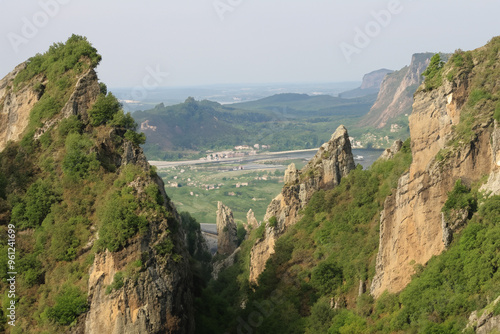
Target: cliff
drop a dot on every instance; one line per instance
(15, 107)
(453, 137)
(371, 84)
(395, 97)
(103, 246)
(332, 162)
(226, 230)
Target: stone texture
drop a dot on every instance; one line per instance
(226, 230)
(227, 262)
(389, 153)
(411, 226)
(492, 186)
(487, 323)
(333, 161)
(83, 97)
(396, 92)
(15, 107)
(252, 222)
(160, 298)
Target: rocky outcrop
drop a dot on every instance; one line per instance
(332, 162)
(389, 153)
(157, 296)
(155, 292)
(411, 226)
(224, 263)
(252, 222)
(226, 230)
(492, 186)
(370, 84)
(83, 97)
(396, 92)
(374, 79)
(485, 322)
(15, 107)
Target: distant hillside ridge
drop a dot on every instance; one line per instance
(282, 122)
(396, 92)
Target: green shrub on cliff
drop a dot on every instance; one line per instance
(433, 73)
(77, 53)
(460, 198)
(119, 220)
(70, 303)
(104, 109)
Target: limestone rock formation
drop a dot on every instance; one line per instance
(83, 97)
(333, 161)
(370, 85)
(492, 186)
(251, 220)
(226, 230)
(485, 322)
(411, 226)
(15, 107)
(157, 297)
(227, 262)
(396, 92)
(389, 153)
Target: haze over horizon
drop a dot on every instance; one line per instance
(222, 41)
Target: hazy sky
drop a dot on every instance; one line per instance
(200, 42)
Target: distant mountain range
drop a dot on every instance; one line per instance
(375, 112)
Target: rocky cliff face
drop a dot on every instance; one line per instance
(396, 92)
(156, 293)
(411, 227)
(333, 161)
(15, 107)
(158, 297)
(389, 153)
(370, 84)
(226, 230)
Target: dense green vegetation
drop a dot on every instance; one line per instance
(284, 121)
(460, 198)
(63, 188)
(476, 71)
(321, 257)
(433, 73)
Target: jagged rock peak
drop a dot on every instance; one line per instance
(332, 162)
(251, 220)
(226, 229)
(389, 153)
(291, 174)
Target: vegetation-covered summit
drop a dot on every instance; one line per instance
(72, 191)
